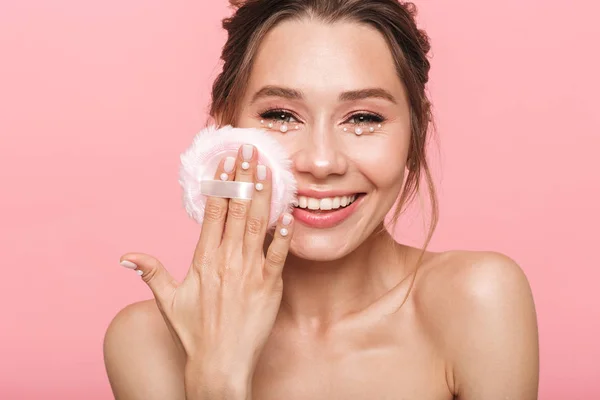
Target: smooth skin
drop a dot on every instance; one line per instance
(321, 315)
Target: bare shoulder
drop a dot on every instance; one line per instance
(472, 276)
(460, 285)
(142, 361)
(479, 308)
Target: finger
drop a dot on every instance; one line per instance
(260, 208)
(159, 280)
(215, 212)
(279, 248)
(237, 212)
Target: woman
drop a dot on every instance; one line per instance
(333, 308)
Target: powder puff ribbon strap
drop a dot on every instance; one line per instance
(227, 189)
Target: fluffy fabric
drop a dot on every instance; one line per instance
(200, 161)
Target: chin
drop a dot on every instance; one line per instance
(322, 246)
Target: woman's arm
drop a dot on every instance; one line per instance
(494, 339)
(221, 315)
(143, 361)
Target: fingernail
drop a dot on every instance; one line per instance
(247, 151)
(229, 164)
(128, 264)
(287, 219)
(284, 232)
(261, 172)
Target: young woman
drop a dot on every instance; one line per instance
(329, 306)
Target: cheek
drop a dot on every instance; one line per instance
(382, 162)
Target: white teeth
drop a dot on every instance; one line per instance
(327, 203)
(313, 204)
(302, 202)
(336, 202)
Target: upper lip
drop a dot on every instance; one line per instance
(320, 194)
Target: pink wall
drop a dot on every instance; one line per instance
(98, 100)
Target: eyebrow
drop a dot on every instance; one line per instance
(367, 93)
(277, 91)
(353, 95)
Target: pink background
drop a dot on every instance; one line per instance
(97, 100)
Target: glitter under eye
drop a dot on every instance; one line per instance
(363, 122)
(279, 120)
(283, 120)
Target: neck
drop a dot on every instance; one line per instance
(317, 294)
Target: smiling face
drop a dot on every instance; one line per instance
(331, 96)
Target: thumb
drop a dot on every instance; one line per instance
(153, 273)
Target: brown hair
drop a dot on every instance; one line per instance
(393, 19)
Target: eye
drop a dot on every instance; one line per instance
(279, 116)
(362, 122)
(365, 118)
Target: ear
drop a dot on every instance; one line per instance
(410, 164)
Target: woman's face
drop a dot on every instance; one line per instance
(331, 96)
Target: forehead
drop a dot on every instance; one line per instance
(315, 56)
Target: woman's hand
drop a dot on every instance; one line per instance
(222, 313)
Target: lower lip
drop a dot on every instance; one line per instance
(326, 219)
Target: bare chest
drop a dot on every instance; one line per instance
(366, 365)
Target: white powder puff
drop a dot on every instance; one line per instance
(211, 145)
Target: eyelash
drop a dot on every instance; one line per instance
(356, 119)
(367, 118)
(275, 114)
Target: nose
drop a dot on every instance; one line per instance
(320, 154)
